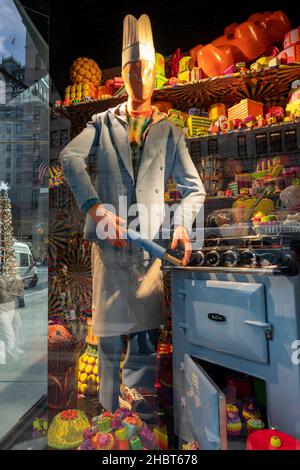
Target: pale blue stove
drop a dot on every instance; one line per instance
(244, 318)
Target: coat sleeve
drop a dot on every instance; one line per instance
(189, 184)
(74, 158)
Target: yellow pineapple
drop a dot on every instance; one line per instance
(85, 70)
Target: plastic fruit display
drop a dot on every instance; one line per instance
(80, 91)
(88, 379)
(243, 42)
(85, 70)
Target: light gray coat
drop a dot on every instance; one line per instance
(165, 154)
(124, 301)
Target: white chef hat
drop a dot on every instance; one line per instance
(137, 40)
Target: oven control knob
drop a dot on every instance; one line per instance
(197, 258)
(212, 258)
(230, 258)
(248, 258)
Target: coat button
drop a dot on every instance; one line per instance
(161, 168)
(157, 190)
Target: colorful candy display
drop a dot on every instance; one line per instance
(234, 424)
(243, 42)
(121, 430)
(244, 109)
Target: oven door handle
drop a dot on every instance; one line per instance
(259, 324)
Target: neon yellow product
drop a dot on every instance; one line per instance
(66, 429)
(198, 125)
(88, 366)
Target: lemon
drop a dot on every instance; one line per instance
(79, 386)
(89, 369)
(85, 357)
(97, 379)
(96, 360)
(95, 370)
(81, 366)
(83, 388)
(92, 360)
(92, 379)
(83, 377)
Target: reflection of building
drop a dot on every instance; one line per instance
(59, 138)
(24, 146)
(34, 68)
(11, 79)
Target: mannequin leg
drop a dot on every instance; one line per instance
(109, 357)
(153, 337)
(142, 342)
(139, 370)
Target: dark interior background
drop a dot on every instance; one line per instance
(93, 28)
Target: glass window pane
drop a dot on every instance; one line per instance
(23, 235)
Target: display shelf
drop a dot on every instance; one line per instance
(256, 143)
(80, 113)
(270, 86)
(222, 198)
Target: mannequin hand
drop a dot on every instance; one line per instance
(181, 235)
(112, 224)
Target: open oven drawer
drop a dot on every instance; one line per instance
(205, 407)
(229, 317)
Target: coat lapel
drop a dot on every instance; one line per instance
(120, 139)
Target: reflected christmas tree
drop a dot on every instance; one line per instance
(7, 254)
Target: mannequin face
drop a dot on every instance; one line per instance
(139, 80)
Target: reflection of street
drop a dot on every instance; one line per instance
(42, 272)
(24, 382)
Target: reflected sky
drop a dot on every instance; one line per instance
(11, 26)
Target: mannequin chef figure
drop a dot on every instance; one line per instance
(136, 150)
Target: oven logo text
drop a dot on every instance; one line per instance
(216, 317)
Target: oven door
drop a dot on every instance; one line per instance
(229, 317)
(205, 407)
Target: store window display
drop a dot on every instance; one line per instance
(137, 150)
(221, 362)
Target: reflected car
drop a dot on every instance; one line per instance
(25, 264)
